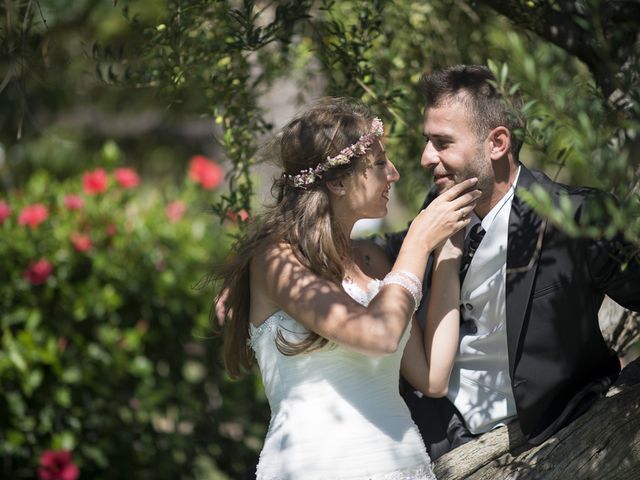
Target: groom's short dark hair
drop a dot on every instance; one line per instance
(474, 86)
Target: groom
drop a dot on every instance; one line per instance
(531, 350)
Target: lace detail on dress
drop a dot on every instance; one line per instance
(363, 297)
(269, 324)
(421, 472)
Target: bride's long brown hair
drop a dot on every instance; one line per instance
(300, 217)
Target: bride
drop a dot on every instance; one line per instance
(329, 337)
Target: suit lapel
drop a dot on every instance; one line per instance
(526, 232)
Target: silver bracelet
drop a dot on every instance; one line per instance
(407, 281)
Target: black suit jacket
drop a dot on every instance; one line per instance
(558, 360)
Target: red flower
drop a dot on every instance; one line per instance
(57, 465)
(241, 215)
(5, 211)
(73, 202)
(111, 229)
(95, 182)
(206, 172)
(38, 272)
(127, 177)
(81, 242)
(175, 210)
(33, 215)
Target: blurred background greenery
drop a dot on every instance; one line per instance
(107, 350)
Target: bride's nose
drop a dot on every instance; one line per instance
(392, 173)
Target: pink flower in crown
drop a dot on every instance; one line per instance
(340, 159)
(175, 210)
(127, 177)
(5, 211)
(38, 272)
(377, 127)
(360, 149)
(57, 465)
(33, 215)
(73, 202)
(95, 182)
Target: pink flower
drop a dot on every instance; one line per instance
(73, 202)
(110, 229)
(175, 210)
(38, 272)
(81, 242)
(57, 465)
(5, 211)
(127, 177)
(206, 172)
(33, 215)
(95, 182)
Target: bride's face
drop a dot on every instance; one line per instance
(367, 189)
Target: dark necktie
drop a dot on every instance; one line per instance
(471, 244)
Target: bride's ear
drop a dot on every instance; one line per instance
(336, 187)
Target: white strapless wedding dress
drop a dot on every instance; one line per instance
(335, 413)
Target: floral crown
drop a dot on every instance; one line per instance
(310, 175)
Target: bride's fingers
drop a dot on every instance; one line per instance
(465, 211)
(459, 188)
(468, 198)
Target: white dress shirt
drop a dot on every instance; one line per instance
(480, 386)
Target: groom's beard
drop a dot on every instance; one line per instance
(480, 168)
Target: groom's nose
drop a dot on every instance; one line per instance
(429, 157)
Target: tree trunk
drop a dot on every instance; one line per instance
(603, 444)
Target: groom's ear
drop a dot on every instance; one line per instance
(499, 142)
(336, 187)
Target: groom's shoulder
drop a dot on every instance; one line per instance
(585, 204)
(577, 191)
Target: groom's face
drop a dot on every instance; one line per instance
(453, 151)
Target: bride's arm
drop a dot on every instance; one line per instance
(428, 357)
(323, 307)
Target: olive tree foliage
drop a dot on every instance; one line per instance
(215, 58)
(591, 125)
